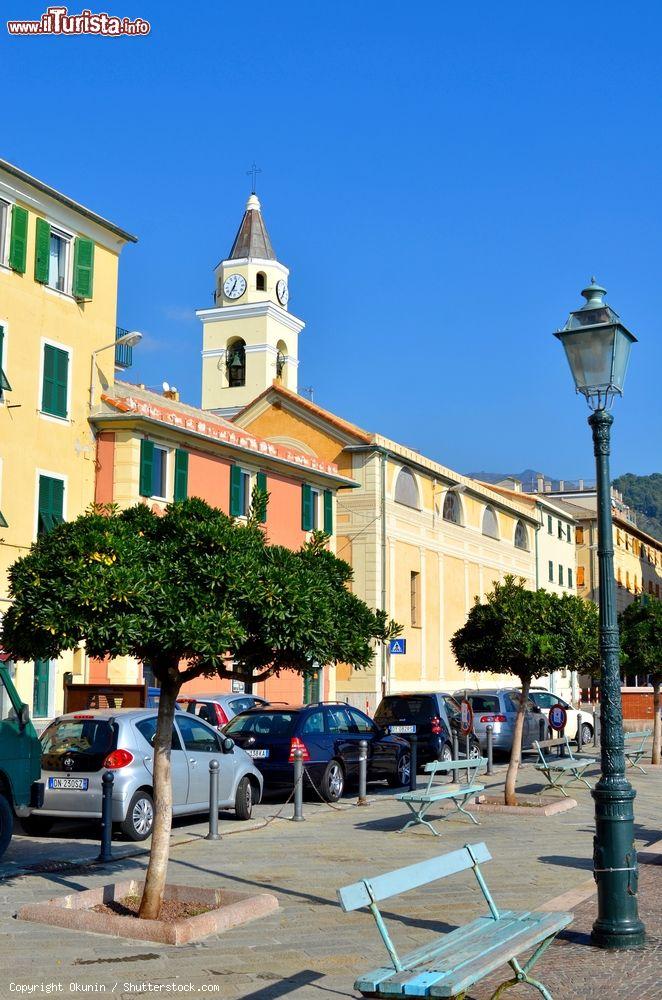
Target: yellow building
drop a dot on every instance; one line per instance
(58, 300)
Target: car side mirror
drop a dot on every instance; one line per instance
(536, 709)
(23, 715)
(227, 745)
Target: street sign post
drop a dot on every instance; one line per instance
(466, 717)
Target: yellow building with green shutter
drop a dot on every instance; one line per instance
(58, 303)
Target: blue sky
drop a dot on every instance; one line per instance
(441, 179)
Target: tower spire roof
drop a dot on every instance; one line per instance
(252, 239)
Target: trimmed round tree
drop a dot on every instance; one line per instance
(191, 592)
(527, 634)
(640, 627)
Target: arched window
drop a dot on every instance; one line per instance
(490, 523)
(406, 489)
(452, 511)
(261, 281)
(235, 363)
(521, 536)
(281, 361)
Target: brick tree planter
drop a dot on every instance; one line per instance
(75, 911)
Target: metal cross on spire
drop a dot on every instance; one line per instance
(254, 171)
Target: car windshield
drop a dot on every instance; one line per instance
(412, 708)
(484, 702)
(93, 736)
(262, 724)
(452, 707)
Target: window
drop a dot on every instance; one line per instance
(560, 575)
(4, 381)
(4, 218)
(406, 489)
(50, 505)
(361, 722)
(339, 720)
(627, 580)
(568, 533)
(153, 470)
(310, 502)
(580, 576)
(619, 577)
(55, 381)
(314, 723)
(560, 529)
(261, 281)
(18, 241)
(236, 363)
(490, 523)
(579, 536)
(549, 523)
(451, 510)
(58, 258)
(521, 536)
(195, 735)
(657, 590)
(147, 729)
(415, 598)
(570, 577)
(180, 491)
(650, 586)
(328, 512)
(543, 699)
(550, 568)
(240, 492)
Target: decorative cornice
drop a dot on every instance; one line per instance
(250, 310)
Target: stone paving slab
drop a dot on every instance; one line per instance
(310, 949)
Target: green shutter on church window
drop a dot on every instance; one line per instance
(306, 507)
(146, 467)
(83, 268)
(54, 388)
(181, 475)
(42, 251)
(50, 503)
(262, 487)
(236, 492)
(18, 243)
(328, 512)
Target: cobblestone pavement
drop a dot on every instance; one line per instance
(310, 949)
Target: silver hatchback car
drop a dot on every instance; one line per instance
(77, 748)
(497, 707)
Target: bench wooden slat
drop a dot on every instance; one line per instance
(633, 736)
(562, 765)
(442, 792)
(352, 897)
(454, 765)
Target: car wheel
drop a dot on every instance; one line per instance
(243, 800)
(402, 773)
(6, 824)
(139, 819)
(587, 733)
(37, 826)
(333, 781)
(446, 753)
(474, 751)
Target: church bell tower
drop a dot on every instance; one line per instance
(249, 338)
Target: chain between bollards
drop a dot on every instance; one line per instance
(363, 773)
(413, 763)
(489, 730)
(298, 815)
(106, 852)
(213, 801)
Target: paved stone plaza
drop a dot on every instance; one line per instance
(311, 949)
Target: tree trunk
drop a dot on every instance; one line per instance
(516, 752)
(155, 880)
(657, 722)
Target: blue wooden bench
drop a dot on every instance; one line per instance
(637, 748)
(455, 961)
(421, 800)
(561, 771)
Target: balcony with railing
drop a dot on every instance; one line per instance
(123, 352)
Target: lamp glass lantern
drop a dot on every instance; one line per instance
(597, 346)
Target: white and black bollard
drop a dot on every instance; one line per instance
(456, 755)
(298, 815)
(363, 773)
(106, 852)
(579, 732)
(213, 801)
(413, 763)
(489, 731)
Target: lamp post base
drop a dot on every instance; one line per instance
(615, 867)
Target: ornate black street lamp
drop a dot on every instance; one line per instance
(597, 346)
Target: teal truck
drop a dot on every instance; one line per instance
(20, 757)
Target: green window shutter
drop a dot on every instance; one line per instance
(42, 251)
(262, 487)
(306, 507)
(181, 474)
(236, 498)
(18, 243)
(83, 268)
(4, 381)
(328, 512)
(55, 382)
(50, 504)
(146, 467)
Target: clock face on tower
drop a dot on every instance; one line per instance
(234, 286)
(282, 291)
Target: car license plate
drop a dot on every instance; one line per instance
(402, 729)
(258, 753)
(72, 784)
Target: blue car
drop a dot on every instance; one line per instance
(328, 734)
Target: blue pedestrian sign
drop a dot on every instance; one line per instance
(397, 646)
